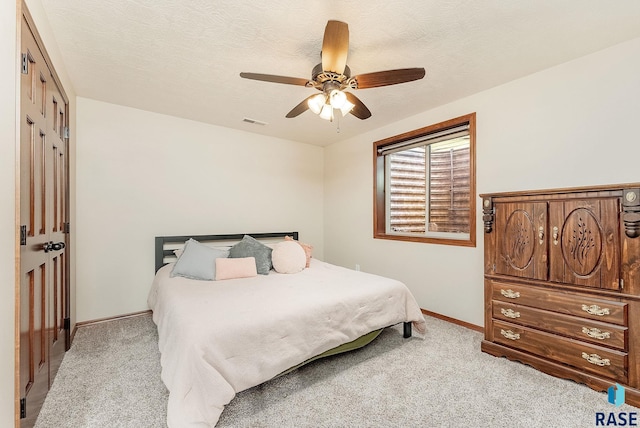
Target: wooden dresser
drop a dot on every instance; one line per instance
(562, 282)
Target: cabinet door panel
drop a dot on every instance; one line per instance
(522, 237)
(585, 239)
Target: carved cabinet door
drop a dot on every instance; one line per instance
(521, 238)
(584, 242)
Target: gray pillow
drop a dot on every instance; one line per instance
(198, 261)
(250, 247)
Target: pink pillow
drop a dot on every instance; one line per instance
(308, 249)
(230, 268)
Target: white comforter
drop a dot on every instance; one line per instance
(218, 338)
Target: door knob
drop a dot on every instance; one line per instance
(57, 246)
(52, 246)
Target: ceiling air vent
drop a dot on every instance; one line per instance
(254, 121)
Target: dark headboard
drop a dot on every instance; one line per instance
(163, 242)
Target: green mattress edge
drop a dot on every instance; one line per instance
(345, 347)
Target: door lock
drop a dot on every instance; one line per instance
(52, 246)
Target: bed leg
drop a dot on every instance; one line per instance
(407, 329)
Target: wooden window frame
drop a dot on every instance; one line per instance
(379, 197)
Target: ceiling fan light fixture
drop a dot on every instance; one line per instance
(337, 98)
(346, 107)
(316, 103)
(327, 112)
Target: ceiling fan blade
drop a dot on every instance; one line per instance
(335, 46)
(277, 79)
(359, 110)
(389, 77)
(300, 108)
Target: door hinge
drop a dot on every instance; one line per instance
(23, 408)
(67, 323)
(621, 283)
(65, 132)
(25, 64)
(66, 228)
(23, 234)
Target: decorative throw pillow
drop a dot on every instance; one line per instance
(251, 247)
(308, 249)
(235, 268)
(288, 257)
(197, 261)
(178, 251)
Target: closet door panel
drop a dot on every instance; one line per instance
(585, 243)
(522, 237)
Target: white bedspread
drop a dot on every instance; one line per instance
(218, 338)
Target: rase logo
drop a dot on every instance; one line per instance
(615, 396)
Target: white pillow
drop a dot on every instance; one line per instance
(288, 257)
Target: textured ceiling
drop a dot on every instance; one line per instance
(183, 58)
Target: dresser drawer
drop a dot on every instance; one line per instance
(596, 332)
(591, 358)
(609, 311)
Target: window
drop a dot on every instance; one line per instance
(424, 187)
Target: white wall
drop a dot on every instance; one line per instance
(7, 208)
(142, 174)
(571, 125)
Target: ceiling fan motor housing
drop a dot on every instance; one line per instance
(320, 76)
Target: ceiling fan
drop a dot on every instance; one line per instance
(332, 77)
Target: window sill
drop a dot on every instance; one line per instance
(471, 242)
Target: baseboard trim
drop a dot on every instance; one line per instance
(107, 319)
(453, 320)
(149, 311)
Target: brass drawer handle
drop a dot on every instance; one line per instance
(595, 310)
(596, 359)
(510, 334)
(596, 333)
(510, 294)
(510, 313)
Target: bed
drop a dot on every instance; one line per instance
(218, 338)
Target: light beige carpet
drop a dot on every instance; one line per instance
(111, 378)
